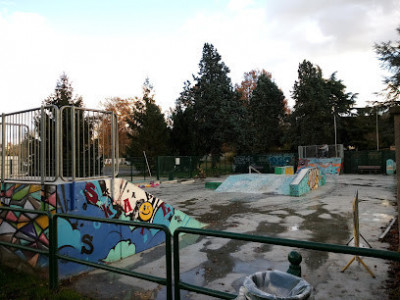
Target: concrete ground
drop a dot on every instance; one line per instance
(324, 215)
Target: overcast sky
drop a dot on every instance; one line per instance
(108, 48)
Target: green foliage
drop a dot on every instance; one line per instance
(266, 112)
(63, 94)
(317, 100)
(389, 55)
(149, 130)
(359, 129)
(216, 107)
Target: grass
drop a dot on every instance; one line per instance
(19, 285)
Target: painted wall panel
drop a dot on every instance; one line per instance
(331, 165)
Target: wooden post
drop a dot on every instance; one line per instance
(396, 112)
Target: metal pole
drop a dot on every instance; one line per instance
(334, 124)
(42, 156)
(147, 163)
(377, 130)
(3, 151)
(73, 150)
(113, 153)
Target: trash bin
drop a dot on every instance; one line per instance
(274, 285)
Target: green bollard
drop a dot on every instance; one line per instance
(295, 259)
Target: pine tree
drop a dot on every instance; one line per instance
(149, 130)
(216, 107)
(317, 101)
(267, 112)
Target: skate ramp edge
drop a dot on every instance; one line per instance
(306, 179)
(257, 183)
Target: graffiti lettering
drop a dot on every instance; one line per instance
(87, 239)
(90, 193)
(106, 210)
(165, 209)
(127, 206)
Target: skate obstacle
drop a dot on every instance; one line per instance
(65, 161)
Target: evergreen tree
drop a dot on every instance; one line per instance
(317, 100)
(63, 94)
(183, 133)
(267, 111)
(216, 107)
(149, 130)
(389, 55)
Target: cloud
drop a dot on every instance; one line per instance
(273, 35)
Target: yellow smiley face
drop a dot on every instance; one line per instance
(145, 211)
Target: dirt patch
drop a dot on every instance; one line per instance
(393, 284)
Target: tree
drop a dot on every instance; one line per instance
(122, 108)
(389, 55)
(317, 100)
(183, 132)
(267, 112)
(149, 130)
(249, 83)
(63, 94)
(88, 159)
(216, 107)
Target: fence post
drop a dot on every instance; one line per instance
(53, 262)
(42, 157)
(3, 153)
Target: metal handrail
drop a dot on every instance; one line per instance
(384, 254)
(168, 256)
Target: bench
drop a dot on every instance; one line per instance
(375, 169)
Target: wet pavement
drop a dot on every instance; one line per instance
(324, 215)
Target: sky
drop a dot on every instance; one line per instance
(108, 48)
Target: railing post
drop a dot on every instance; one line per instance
(177, 289)
(42, 157)
(53, 262)
(295, 259)
(73, 150)
(3, 153)
(113, 144)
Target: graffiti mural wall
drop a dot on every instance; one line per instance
(91, 241)
(306, 180)
(325, 165)
(26, 229)
(100, 242)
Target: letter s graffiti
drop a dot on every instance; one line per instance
(87, 239)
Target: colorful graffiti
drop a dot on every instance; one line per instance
(104, 243)
(26, 229)
(91, 241)
(325, 165)
(306, 179)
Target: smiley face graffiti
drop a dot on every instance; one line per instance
(145, 211)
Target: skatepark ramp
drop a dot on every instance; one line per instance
(302, 182)
(64, 160)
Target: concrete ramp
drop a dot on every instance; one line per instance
(257, 183)
(306, 179)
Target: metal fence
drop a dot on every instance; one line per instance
(321, 151)
(54, 256)
(173, 167)
(47, 143)
(354, 159)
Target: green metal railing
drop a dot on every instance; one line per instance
(54, 256)
(160, 280)
(391, 255)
